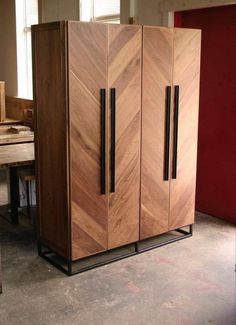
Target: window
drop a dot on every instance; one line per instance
(100, 10)
(26, 15)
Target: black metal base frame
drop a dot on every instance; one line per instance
(67, 266)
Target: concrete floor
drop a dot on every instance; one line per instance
(188, 282)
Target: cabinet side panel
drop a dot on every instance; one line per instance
(51, 135)
(157, 75)
(87, 75)
(186, 75)
(124, 75)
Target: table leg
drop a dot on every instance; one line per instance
(14, 193)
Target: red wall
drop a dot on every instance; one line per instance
(216, 171)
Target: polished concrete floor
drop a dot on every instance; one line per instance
(188, 282)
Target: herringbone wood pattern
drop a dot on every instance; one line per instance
(104, 221)
(186, 75)
(157, 74)
(87, 75)
(125, 75)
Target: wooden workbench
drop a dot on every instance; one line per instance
(16, 154)
(15, 150)
(12, 154)
(10, 138)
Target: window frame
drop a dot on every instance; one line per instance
(23, 48)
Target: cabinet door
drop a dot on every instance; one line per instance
(87, 76)
(185, 126)
(124, 79)
(157, 76)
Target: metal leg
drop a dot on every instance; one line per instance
(39, 249)
(184, 234)
(67, 266)
(191, 229)
(14, 193)
(28, 198)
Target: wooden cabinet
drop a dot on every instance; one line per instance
(99, 185)
(171, 65)
(87, 90)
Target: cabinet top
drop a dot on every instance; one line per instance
(62, 23)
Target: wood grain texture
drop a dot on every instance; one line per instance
(8, 138)
(157, 75)
(87, 75)
(16, 154)
(15, 107)
(124, 74)
(50, 104)
(9, 121)
(186, 75)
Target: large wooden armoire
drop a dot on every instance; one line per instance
(116, 112)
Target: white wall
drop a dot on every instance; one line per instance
(125, 11)
(8, 58)
(53, 10)
(161, 12)
(148, 12)
(179, 5)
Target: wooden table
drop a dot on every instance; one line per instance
(13, 156)
(15, 150)
(16, 154)
(9, 138)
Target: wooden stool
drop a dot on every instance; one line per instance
(27, 175)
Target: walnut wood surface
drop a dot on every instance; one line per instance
(186, 75)
(157, 74)
(16, 154)
(50, 104)
(124, 74)
(87, 75)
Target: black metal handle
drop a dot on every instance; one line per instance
(113, 138)
(103, 140)
(167, 134)
(175, 140)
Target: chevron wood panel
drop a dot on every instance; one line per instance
(87, 75)
(157, 74)
(124, 72)
(186, 75)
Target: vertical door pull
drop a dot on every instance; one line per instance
(167, 134)
(175, 140)
(113, 139)
(103, 139)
